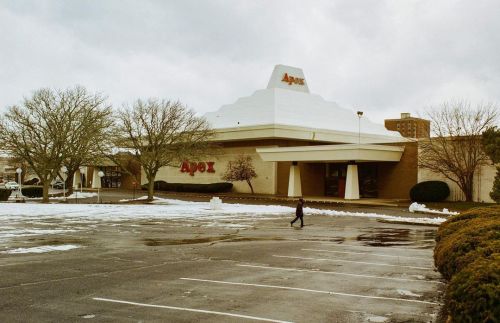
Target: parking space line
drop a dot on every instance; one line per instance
(311, 291)
(354, 262)
(365, 253)
(190, 310)
(339, 273)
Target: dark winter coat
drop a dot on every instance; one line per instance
(299, 210)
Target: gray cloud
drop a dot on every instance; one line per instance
(382, 56)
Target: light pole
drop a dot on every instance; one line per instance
(19, 172)
(64, 170)
(360, 114)
(81, 178)
(100, 174)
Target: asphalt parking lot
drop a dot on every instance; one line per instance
(335, 269)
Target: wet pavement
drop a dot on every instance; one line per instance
(242, 269)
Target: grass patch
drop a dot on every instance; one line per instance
(457, 206)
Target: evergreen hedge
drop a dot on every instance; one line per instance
(430, 191)
(474, 293)
(193, 188)
(468, 254)
(4, 194)
(32, 191)
(478, 238)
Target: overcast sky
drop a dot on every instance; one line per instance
(383, 57)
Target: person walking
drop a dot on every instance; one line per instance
(299, 213)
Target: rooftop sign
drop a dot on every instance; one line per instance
(292, 80)
(288, 78)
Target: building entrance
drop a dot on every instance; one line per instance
(112, 177)
(335, 180)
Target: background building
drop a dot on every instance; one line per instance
(409, 126)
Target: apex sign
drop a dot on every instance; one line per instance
(292, 80)
(193, 167)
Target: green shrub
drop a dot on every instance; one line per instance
(193, 188)
(479, 237)
(4, 194)
(457, 221)
(430, 191)
(473, 294)
(32, 191)
(495, 191)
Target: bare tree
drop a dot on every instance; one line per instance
(240, 169)
(454, 150)
(90, 135)
(44, 131)
(161, 133)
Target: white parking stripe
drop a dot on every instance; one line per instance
(343, 274)
(354, 262)
(366, 253)
(311, 291)
(190, 310)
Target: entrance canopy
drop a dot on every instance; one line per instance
(333, 153)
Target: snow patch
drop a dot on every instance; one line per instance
(81, 195)
(407, 293)
(172, 209)
(377, 319)
(416, 207)
(42, 249)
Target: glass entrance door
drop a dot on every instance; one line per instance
(335, 180)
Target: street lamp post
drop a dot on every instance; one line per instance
(81, 178)
(100, 174)
(64, 170)
(19, 172)
(360, 114)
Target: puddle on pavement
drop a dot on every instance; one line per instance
(225, 238)
(393, 237)
(338, 240)
(168, 242)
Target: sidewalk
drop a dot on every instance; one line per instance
(270, 198)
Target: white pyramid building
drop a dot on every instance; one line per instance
(287, 102)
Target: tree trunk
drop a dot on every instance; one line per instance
(250, 184)
(151, 187)
(69, 182)
(467, 187)
(46, 185)
(469, 192)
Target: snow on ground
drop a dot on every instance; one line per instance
(416, 207)
(169, 209)
(32, 219)
(80, 195)
(42, 249)
(407, 293)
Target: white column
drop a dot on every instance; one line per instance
(352, 183)
(76, 180)
(96, 180)
(294, 185)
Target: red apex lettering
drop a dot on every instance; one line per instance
(193, 167)
(292, 80)
(185, 167)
